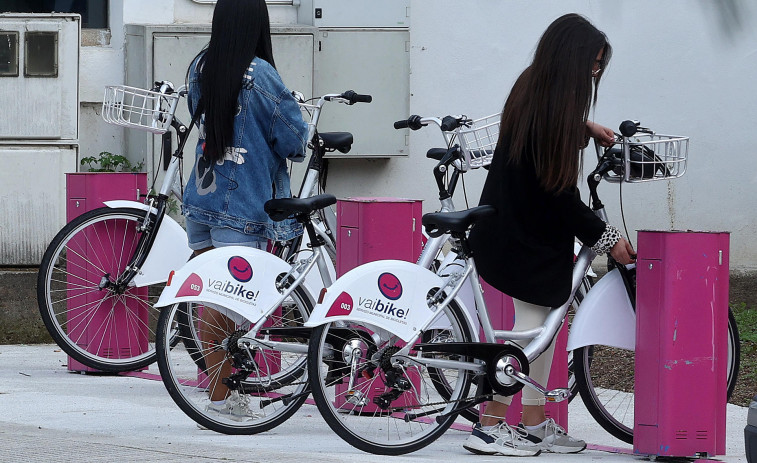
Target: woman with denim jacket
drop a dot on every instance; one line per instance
(249, 126)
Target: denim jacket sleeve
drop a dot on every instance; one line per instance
(288, 129)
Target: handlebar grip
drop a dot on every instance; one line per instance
(628, 128)
(450, 123)
(413, 123)
(353, 97)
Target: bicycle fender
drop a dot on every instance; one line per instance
(389, 294)
(169, 252)
(605, 316)
(240, 278)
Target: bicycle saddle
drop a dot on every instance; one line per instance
(283, 208)
(341, 141)
(439, 223)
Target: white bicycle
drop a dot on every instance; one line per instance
(233, 316)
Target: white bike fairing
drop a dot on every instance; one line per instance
(605, 316)
(169, 251)
(389, 294)
(236, 277)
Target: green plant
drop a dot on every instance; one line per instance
(109, 162)
(746, 320)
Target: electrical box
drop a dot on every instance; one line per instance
(376, 62)
(34, 205)
(39, 76)
(155, 52)
(39, 130)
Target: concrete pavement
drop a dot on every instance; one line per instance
(52, 415)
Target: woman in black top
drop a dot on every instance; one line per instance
(526, 249)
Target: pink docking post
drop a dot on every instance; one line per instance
(681, 343)
(372, 229)
(109, 327)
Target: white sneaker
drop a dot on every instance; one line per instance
(500, 440)
(236, 407)
(551, 437)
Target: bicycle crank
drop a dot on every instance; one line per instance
(509, 372)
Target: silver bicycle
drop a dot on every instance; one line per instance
(395, 356)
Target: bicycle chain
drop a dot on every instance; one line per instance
(474, 398)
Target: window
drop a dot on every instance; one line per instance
(41, 54)
(9, 53)
(94, 13)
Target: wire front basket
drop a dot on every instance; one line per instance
(138, 108)
(649, 157)
(478, 140)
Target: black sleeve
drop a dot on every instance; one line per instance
(578, 217)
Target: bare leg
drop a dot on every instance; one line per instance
(214, 329)
(494, 413)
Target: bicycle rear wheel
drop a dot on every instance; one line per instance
(101, 326)
(271, 384)
(605, 378)
(388, 410)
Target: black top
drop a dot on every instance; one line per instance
(525, 250)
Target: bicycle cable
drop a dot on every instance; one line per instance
(622, 213)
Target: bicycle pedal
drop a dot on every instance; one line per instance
(557, 395)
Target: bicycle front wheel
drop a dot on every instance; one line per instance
(97, 324)
(605, 378)
(267, 385)
(379, 407)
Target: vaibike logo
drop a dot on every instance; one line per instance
(389, 286)
(240, 270)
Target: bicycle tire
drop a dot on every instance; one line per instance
(189, 385)
(392, 429)
(586, 284)
(610, 399)
(101, 328)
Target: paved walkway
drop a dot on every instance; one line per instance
(52, 415)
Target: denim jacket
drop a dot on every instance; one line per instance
(268, 130)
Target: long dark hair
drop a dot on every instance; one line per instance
(241, 31)
(546, 112)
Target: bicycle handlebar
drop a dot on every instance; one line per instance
(447, 123)
(630, 128)
(349, 97)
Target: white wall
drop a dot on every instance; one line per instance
(677, 67)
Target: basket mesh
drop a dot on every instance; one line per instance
(138, 108)
(479, 140)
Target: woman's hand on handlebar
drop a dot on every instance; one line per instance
(623, 252)
(603, 135)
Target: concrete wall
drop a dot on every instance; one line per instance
(683, 67)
